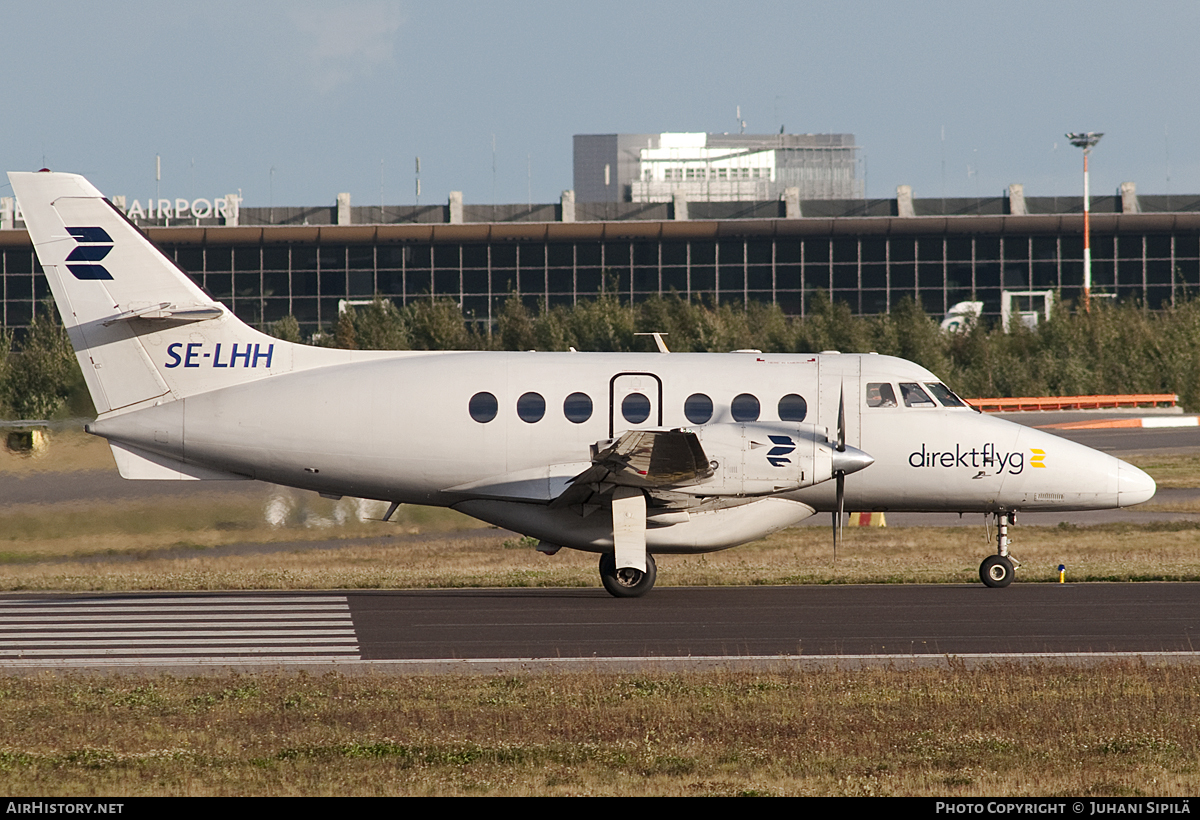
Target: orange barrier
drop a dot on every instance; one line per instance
(1159, 422)
(1074, 402)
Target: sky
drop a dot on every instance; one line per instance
(291, 103)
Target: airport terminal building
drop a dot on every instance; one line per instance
(268, 263)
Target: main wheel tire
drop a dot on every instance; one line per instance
(626, 582)
(996, 571)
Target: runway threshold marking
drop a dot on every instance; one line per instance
(161, 630)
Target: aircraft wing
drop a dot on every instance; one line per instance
(643, 459)
(650, 459)
(638, 460)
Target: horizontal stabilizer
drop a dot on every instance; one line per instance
(135, 463)
(166, 310)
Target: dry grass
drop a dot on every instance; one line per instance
(1169, 470)
(144, 528)
(70, 450)
(1011, 729)
(491, 558)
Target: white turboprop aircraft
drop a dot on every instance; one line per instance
(621, 454)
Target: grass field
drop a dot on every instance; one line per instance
(1010, 729)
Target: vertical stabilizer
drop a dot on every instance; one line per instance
(143, 332)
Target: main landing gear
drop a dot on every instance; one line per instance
(998, 570)
(627, 582)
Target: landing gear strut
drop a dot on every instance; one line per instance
(998, 570)
(627, 582)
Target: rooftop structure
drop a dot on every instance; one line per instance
(699, 167)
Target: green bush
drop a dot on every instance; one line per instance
(41, 377)
(1121, 348)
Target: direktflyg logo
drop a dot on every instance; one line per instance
(94, 245)
(975, 458)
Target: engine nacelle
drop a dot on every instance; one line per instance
(764, 458)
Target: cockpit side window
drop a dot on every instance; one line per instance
(880, 394)
(914, 396)
(943, 394)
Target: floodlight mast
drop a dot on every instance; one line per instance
(1086, 140)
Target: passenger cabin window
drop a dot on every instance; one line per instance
(531, 407)
(745, 408)
(483, 407)
(635, 408)
(943, 394)
(792, 408)
(914, 396)
(880, 394)
(698, 408)
(578, 407)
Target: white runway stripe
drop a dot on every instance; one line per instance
(191, 629)
(216, 607)
(215, 615)
(128, 600)
(100, 652)
(190, 634)
(177, 641)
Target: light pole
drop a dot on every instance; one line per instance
(1086, 140)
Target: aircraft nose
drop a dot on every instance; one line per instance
(851, 460)
(1133, 485)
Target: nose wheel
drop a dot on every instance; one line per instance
(998, 570)
(627, 582)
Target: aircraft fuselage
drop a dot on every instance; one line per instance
(400, 428)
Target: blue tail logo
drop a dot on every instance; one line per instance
(94, 245)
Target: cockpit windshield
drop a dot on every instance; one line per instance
(944, 395)
(914, 396)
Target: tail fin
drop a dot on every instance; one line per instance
(143, 332)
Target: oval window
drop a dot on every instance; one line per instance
(792, 408)
(745, 408)
(531, 407)
(578, 407)
(635, 408)
(483, 407)
(698, 408)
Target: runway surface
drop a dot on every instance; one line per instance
(477, 629)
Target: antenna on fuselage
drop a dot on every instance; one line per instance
(658, 340)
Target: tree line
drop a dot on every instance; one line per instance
(1121, 348)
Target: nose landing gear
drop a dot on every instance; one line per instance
(998, 570)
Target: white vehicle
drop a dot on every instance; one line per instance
(622, 454)
(962, 316)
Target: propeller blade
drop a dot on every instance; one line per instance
(840, 475)
(840, 514)
(841, 430)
